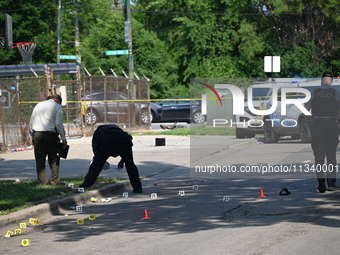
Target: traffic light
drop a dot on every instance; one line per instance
(9, 31)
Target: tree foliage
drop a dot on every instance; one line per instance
(175, 41)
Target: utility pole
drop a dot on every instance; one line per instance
(76, 34)
(59, 31)
(131, 85)
(129, 38)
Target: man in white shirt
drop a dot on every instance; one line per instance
(45, 125)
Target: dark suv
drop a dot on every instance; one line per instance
(112, 105)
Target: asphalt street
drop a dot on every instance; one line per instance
(190, 213)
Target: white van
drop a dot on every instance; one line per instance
(249, 124)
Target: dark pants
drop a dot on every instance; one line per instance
(46, 144)
(119, 147)
(324, 143)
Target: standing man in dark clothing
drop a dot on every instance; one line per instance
(325, 104)
(46, 123)
(110, 140)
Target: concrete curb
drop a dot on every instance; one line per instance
(57, 207)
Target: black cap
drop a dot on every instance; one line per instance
(327, 74)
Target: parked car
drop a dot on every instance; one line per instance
(113, 105)
(294, 123)
(177, 109)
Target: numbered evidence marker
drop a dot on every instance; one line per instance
(80, 221)
(195, 187)
(125, 194)
(181, 193)
(79, 208)
(23, 225)
(25, 242)
(33, 221)
(92, 217)
(9, 233)
(153, 195)
(226, 199)
(71, 185)
(18, 231)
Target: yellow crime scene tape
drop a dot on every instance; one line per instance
(152, 100)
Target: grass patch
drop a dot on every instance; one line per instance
(213, 131)
(27, 193)
(177, 131)
(191, 131)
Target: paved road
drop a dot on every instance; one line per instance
(201, 221)
(149, 158)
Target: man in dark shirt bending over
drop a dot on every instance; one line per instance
(107, 141)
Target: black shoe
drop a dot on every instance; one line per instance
(333, 188)
(137, 191)
(322, 187)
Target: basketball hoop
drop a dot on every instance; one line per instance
(26, 50)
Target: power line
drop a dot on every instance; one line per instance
(213, 13)
(266, 13)
(236, 14)
(31, 8)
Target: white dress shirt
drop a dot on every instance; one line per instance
(47, 116)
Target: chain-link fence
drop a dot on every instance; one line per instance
(115, 100)
(88, 101)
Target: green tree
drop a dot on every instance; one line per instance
(150, 54)
(36, 21)
(304, 33)
(202, 43)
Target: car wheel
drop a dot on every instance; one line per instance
(146, 117)
(244, 134)
(152, 116)
(304, 131)
(198, 118)
(240, 134)
(91, 118)
(269, 135)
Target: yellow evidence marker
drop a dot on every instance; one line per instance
(25, 242)
(92, 217)
(80, 222)
(9, 233)
(18, 231)
(33, 221)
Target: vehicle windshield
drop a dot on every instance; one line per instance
(123, 96)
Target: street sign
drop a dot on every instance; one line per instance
(116, 52)
(68, 57)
